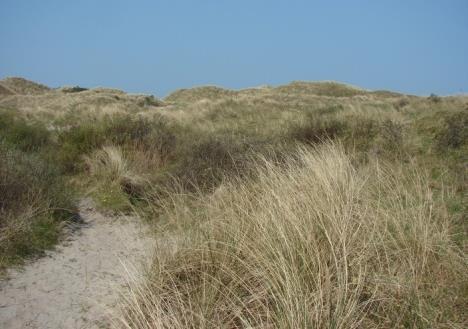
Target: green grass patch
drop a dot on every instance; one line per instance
(112, 198)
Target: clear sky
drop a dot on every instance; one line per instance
(155, 47)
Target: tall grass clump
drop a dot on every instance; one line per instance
(203, 164)
(317, 243)
(112, 178)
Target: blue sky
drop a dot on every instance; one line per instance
(413, 46)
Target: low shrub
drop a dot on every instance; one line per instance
(119, 130)
(390, 138)
(358, 133)
(152, 135)
(75, 89)
(318, 128)
(434, 98)
(401, 103)
(26, 175)
(28, 137)
(77, 141)
(205, 163)
(34, 200)
(149, 101)
(332, 109)
(454, 133)
(361, 132)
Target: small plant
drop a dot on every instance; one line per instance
(434, 98)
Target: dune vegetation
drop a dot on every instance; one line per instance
(308, 205)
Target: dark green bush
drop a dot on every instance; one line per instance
(205, 163)
(76, 142)
(333, 109)
(75, 89)
(122, 130)
(151, 134)
(392, 134)
(454, 133)
(161, 140)
(361, 132)
(34, 199)
(401, 103)
(149, 101)
(24, 176)
(24, 136)
(318, 128)
(434, 98)
(357, 132)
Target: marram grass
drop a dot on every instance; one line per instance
(318, 244)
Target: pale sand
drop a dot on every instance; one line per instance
(78, 284)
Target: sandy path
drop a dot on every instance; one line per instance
(77, 284)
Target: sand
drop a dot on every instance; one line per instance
(78, 284)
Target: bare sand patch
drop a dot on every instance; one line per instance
(76, 285)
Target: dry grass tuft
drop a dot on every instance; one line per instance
(109, 166)
(318, 244)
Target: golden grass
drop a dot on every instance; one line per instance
(58, 107)
(108, 162)
(324, 237)
(318, 244)
(109, 166)
(22, 86)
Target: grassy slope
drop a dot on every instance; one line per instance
(367, 233)
(190, 165)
